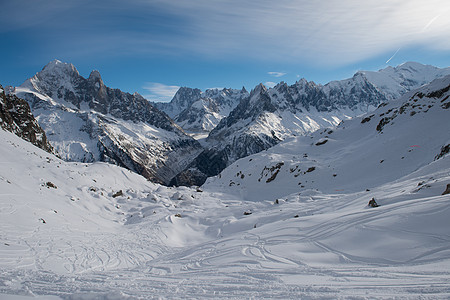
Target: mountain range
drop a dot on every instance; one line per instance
(394, 141)
(86, 121)
(269, 116)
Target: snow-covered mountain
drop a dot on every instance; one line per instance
(400, 138)
(87, 121)
(269, 116)
(292, 222)
(16, 116)
(394, 82)
(199, 112)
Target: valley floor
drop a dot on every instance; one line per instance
(83, 239)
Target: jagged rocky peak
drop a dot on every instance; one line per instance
(281, 86)
(16, 117)
(199, 112)
(138, 96)
(186, 96)
(260, 88)
(182, 99)
(57, 72)
(95, 77)
(88, 121)
(359, 76)
(57, 66)
(257, 96)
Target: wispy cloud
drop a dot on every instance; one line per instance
(159, 92)
(276, 74)
(316, 32)
(328, 32)
(270, 84)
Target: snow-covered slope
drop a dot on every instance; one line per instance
(87, 121)
(269, 116)
(98, 231)
(393, 141)
(394, 82)
(199, 112)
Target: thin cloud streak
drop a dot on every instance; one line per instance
(276, 74)
(270, 84)
(160, 92)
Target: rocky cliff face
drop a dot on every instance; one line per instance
(16, 116)
(88, 121)
(200, 112)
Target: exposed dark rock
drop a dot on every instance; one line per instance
(273, 171)
(16, 116)
(272, 178)
(439, 93)
(117, 194)
(382, 123)
(189, 177)
(373, 203)
(49, 184)
(447, 190)
(321, 142)
(444, 151)
(310, 169)
(366, 119)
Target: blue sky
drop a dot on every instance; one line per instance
(155, 46)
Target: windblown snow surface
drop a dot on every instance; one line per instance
(98, 231)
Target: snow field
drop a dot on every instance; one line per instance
(308, 245)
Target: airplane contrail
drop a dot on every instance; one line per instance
(429, 23)
(393, 55)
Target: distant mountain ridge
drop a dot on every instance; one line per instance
(196, 111)
(87, 121)
(269, 116)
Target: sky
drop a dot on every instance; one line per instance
(155, 46)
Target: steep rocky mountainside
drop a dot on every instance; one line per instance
(269, 116)
(87, 121)
(16, 116)
(199, 112)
